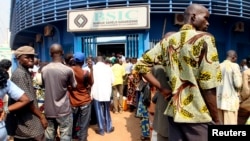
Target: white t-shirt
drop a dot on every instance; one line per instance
(103, 79)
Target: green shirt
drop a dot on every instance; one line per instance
(191, 62)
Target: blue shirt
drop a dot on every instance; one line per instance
(13, 91)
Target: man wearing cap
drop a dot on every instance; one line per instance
(57, 77)
(31, 123)
(80, 98)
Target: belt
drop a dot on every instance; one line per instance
(84, 106)
(81, 107)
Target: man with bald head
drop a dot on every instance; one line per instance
(57, 77)
(101, 93)
(191, 61)
(228, 92)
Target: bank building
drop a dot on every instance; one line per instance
(128, 26)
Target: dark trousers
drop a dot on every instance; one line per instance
(81, 118)
(38, 138)
(187, 131)
(125, 90)
(243, 115)
(102, 109)
(93, 119)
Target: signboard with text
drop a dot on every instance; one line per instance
(108, 19)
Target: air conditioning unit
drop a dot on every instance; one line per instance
(39, 38)
(48, 30)
(179, 19)
(239, 27)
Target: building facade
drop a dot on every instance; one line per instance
(128, 26)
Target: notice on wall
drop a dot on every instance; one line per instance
(5, 52)
(108, 19)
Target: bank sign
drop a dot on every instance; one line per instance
(108, 19)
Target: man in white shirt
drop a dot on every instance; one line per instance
(228, 92)
(101, 94)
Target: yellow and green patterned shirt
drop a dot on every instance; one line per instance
(192, 63)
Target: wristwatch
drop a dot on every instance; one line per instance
(6, 110)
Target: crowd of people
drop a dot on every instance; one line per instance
(177, 89)
(199, 90)
(60, 96)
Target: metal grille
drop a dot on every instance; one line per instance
(132, 45)
(153, 42)
(89, 45)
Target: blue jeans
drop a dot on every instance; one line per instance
(64, 124)
(81, 119)
(3, 132)
(104, 121)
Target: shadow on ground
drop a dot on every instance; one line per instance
(133, 126)
(127, 128)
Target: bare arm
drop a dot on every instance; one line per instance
(152, 80)
(90, 65)
(22, 101)
(39, 114)
(245, 92)
(209, 97)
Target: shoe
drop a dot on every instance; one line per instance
(111, 130)
(120, 111)
(115, 112)
(145, 138)
(99, 132)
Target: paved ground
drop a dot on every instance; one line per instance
(127, 128)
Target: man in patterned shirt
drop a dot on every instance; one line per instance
(31, 122)
(192, 65)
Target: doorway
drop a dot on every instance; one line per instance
(108, 49)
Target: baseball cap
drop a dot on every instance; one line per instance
(23, 50)
(79, 57)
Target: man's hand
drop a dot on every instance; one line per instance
(2, 115)
(44, 121)
(166, 93)
(90, 64)
(209, 97)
